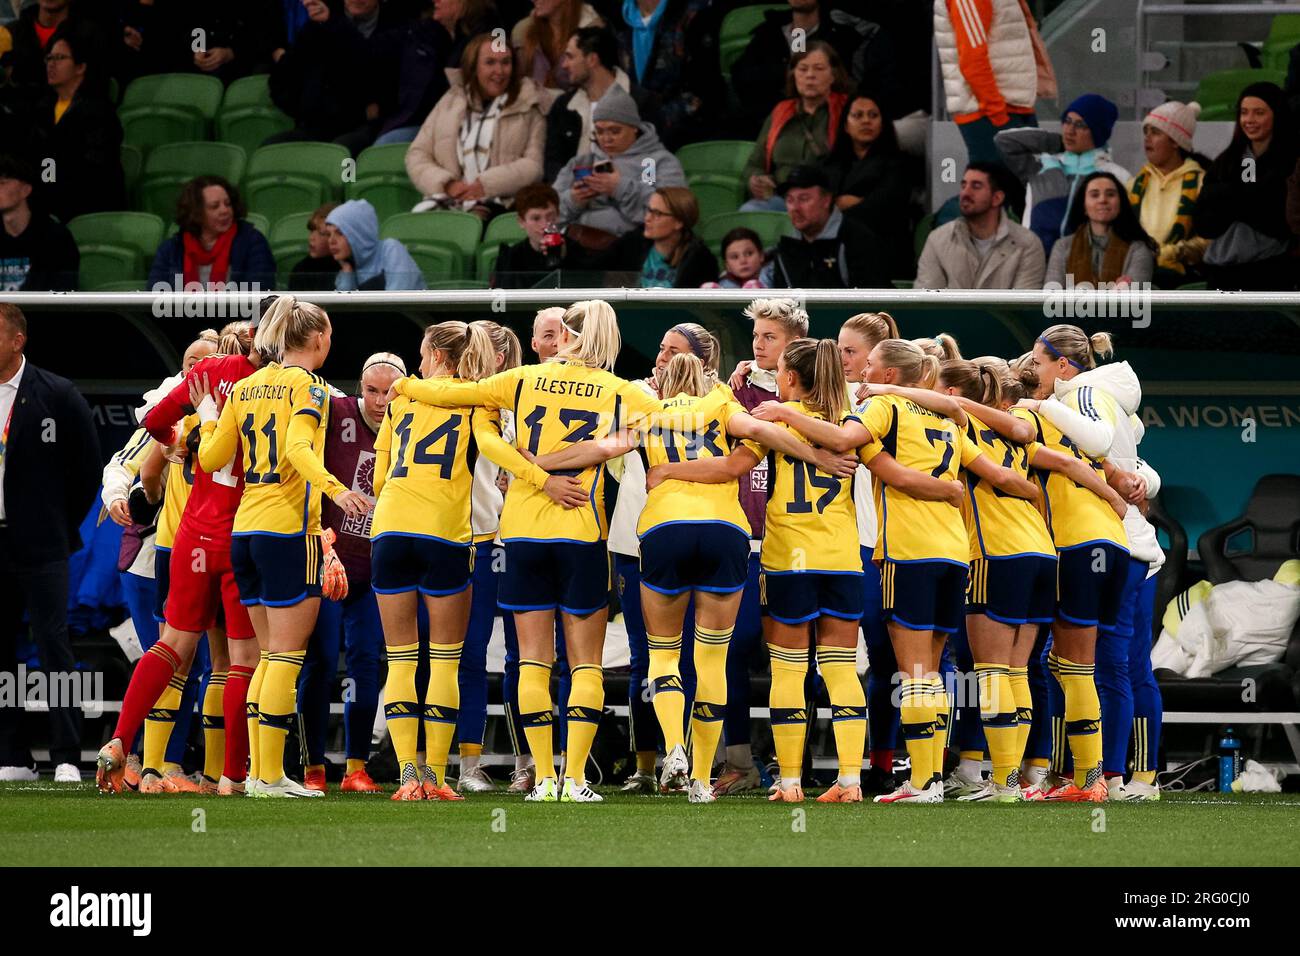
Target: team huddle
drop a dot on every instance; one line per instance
(870, 483)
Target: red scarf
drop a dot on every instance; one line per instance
(218, 256)
(784, 111)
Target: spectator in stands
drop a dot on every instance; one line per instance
(800, 129)
(542, 251)
(994, 67)
(49, 476)
(29, 41)
(591, 63)
(872, 179)
(667, 254)
(214, 245)
(1052, 165)
(539, 41)
(983, 249)
(831, 251)
(332, 79)
(37, 254)
(742, 256)
(226, 39)
(670, 48)
(1103, 241)
(484, 140)
(762, 70)
(431, 49)
(1166, 188)
(1242, 206)
(77, 128)
(603, 193)
(317, 269)
(367, 262)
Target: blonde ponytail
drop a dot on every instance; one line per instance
(874, 327)
(685, 374)
(915, 367)
(816, 364)
(287, 326)
(1071, 343)
(594, 339)
(978, 383)
(235, 338)
(478, 357)
(504, 342)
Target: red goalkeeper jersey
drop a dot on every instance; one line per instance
(214, 499)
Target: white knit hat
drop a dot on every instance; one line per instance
(1176, 120)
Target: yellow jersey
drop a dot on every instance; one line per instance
(911, 529)
(1075, 516)
(179, 480)
(1000, 525)
(425, 459)
(280, 414)
(811, 520)
(692, 428)
(554, 404)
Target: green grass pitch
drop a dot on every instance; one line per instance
(48, 825)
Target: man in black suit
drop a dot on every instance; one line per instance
(49, 475)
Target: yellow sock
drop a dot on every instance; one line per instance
(160, 721)
(535, 712)
(1082, 720)
(710, 698)
(252, 715)
(355, 766)
(586, 701)
(998, 714)
(1019, 677)
(669, 698)
(916, 710)
(401, 709)
(788, 708)
(839, 669)
(168, 766)
(471, 750)
(1145, 776)
(277, 708)
(645, 761)
(441, 706)
(214, 727)
(939, 693)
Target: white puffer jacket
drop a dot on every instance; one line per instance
(1005, 41)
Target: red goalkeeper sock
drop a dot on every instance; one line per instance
(232, 706)
(882, 760)
(152, 673)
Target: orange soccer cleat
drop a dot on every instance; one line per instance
(358, 781)
(131, 778)
(792, 794)
(411, 790)
(1097, 792)
(314, 779)
(208, 786)
(175, 781)
(838, 794)
(110, 767)
(433, 791)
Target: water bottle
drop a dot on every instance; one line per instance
(1229, 761)
(552, 246)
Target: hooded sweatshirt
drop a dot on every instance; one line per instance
(1109, 427)
(378, 264)
(646, 166)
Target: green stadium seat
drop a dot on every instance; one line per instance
(770, 227)
(382, 159)
(290, 230)
(294, 177)
(122, 285)
(169, 108)
(458, 284)
(250, 126)
(252, 90)
(105, 263)
(737, 26)
(717, 194)
(485, 260)
(503, 228)
(922, 233)
(147, 127)
(444, 242)
(1283, 34)
(140, 231)
(1217, 92)
(286, 259)
(720, 156)
(171, 165)
(259, 222)
(382, 180)
(132, 167)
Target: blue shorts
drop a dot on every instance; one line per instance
(276, 570)
(1090, 583)
(797, 597)
(705, 556)
(162, 575)
(924, 595)
(407, 562)
(1015, 590)
(570, 576)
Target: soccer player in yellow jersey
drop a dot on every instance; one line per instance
(279, 413)
(423, 545)
(556, 559)
(1012, 587)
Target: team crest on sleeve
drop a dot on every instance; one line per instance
(317, 395)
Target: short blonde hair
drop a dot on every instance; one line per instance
(784, 312)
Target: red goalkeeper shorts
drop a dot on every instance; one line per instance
(202, 589)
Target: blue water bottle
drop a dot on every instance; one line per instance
(1229, 761)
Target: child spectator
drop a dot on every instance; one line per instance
(523, 264)
(742, 257)
(367, 262)
(316, 271)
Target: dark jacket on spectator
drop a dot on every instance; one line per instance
(697, 266)
(883, 181)
(250, 259)
(314, 275)
(27, 57)
(852, 256)
(86, 146)
(42, 258)
(250, 28)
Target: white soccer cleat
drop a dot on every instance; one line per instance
(231, 788)
(475, 781)
(67, 773)
(909, 794)
(700, 792)
(522, 780)
(677, 770)
(544, 791)
(1134, 792)
(575, 792)
(640, 782)
(991, 792)
(17, 775)
(958, 785)
(282, 788)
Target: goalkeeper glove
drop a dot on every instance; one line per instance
(334, 578)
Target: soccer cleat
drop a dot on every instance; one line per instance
(208, 786)
(1096, 793)
(1134, 792)
(958, 785)
(878, 780)
(642, 783)
(475, 780)
(732, 781)
(11, 774)
(991, 792)
(1033, 793)
(700, 792)
(358, 781)
(791, 794)
(229, 788)
(907, 793)
(676, 772)
(151, 783)
(251, 786)
(433, 790)
(522, 780)
(67, 773)
(410, 790)
(131, 779)
(314, 779)
(545, 791)
(575, 792)
(175, 781)
(110, 767)
(838, 794)
(284, 788)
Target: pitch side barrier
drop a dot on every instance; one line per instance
(1221, 393)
